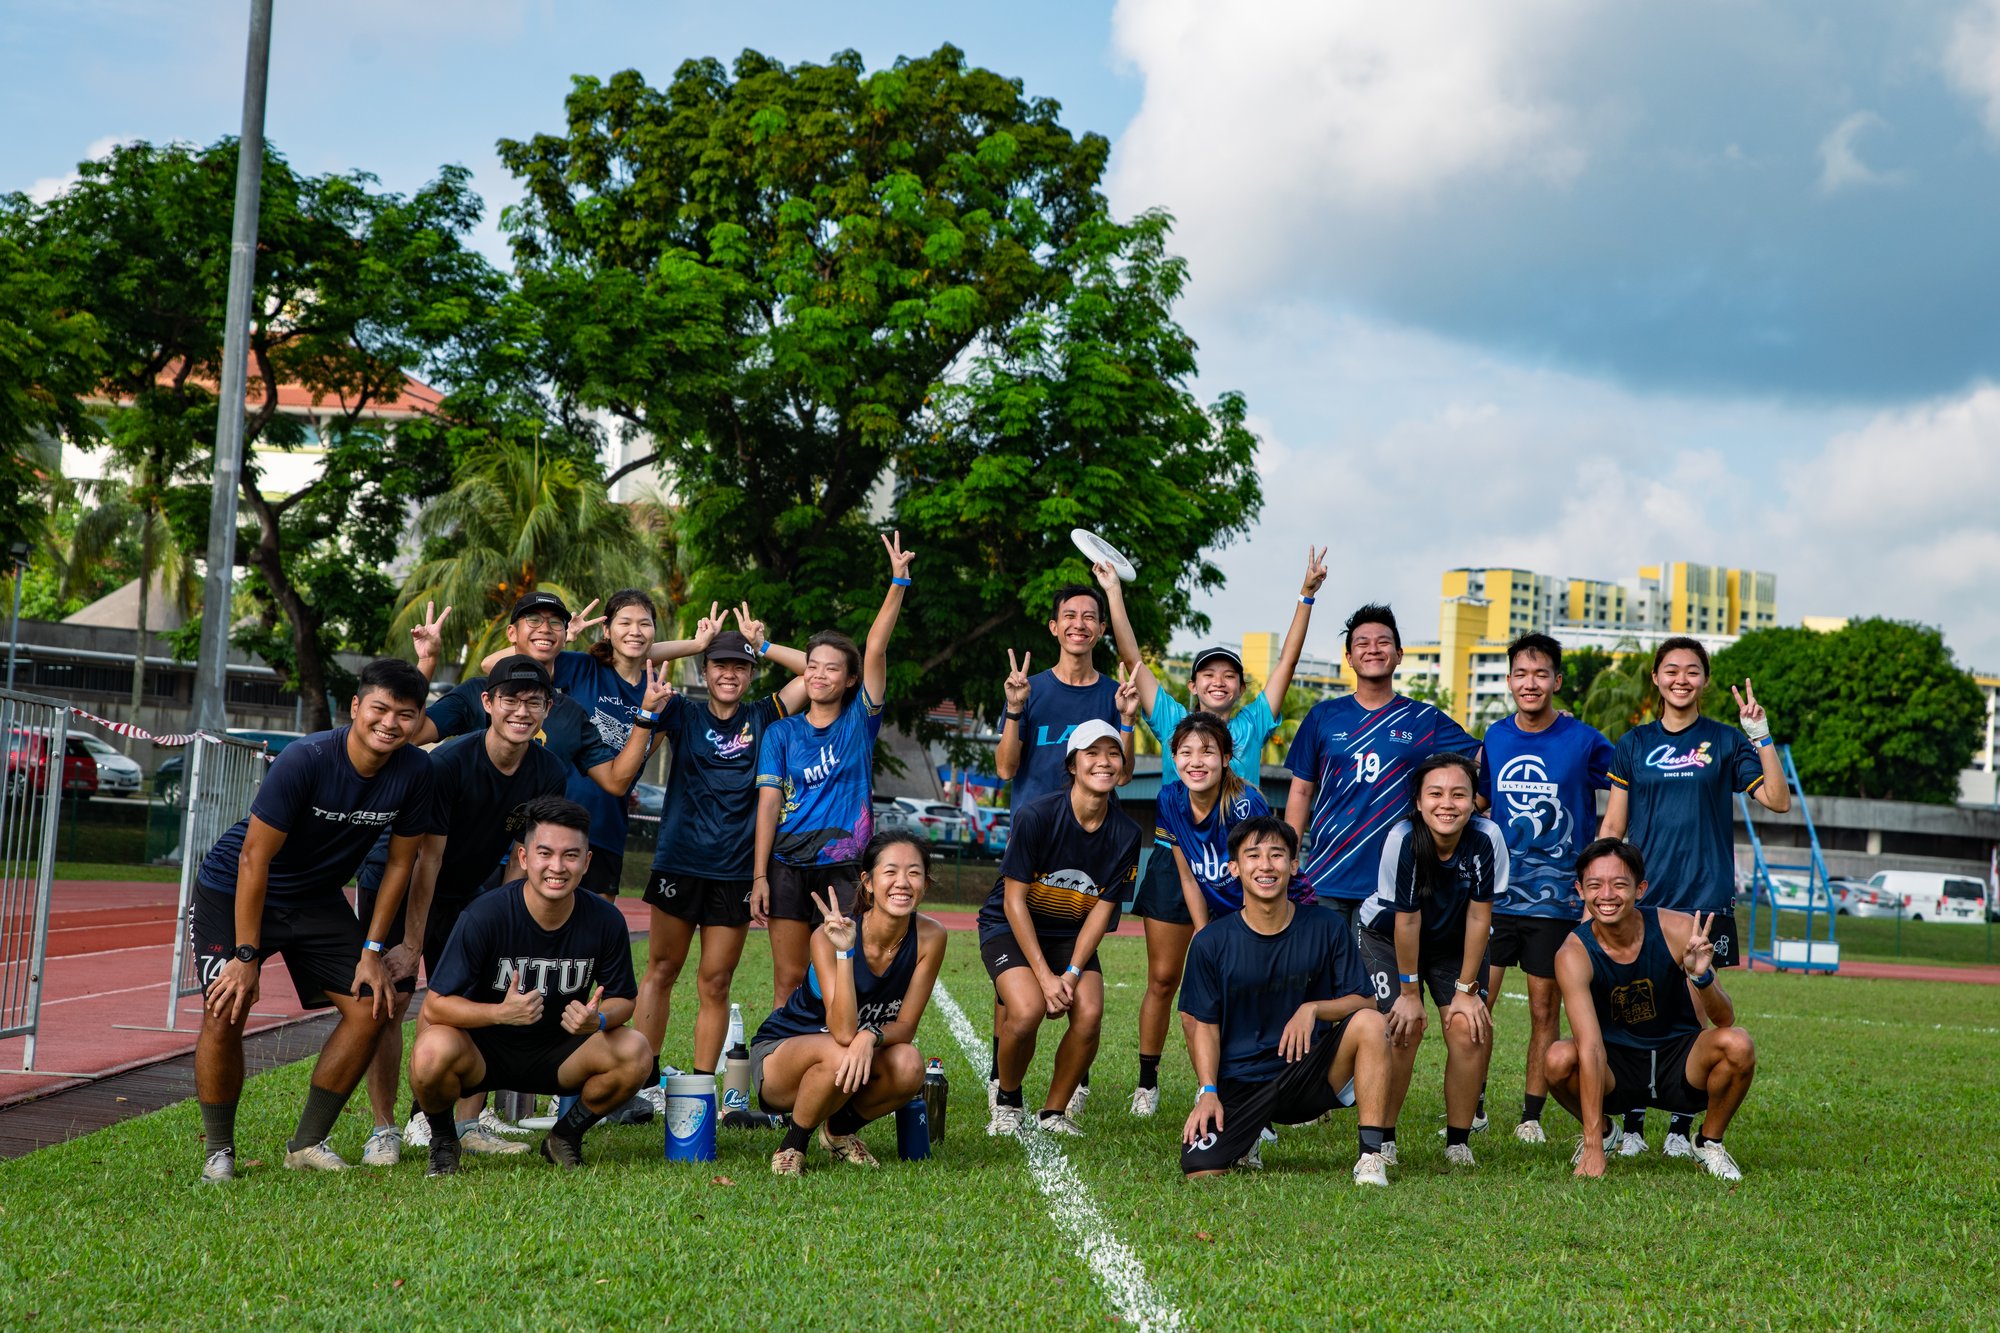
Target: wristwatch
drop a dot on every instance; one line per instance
(246, 953)
(1465, 987)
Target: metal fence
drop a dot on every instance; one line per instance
(33, 731)
(223, 775)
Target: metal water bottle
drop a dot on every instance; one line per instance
(937, 1089)
(736, 1082)
(913, 1131)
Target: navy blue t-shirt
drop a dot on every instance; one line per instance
(612, 704)
(1475, 872)
(1360, 762)
(1679, 786)
(708, 823)
(330, 816)
(827, 778)
(876, 999)
(1205, 843)
(1068, 869)
(1250, 985)
(1541, 787)
(1054, 710)
(497, 946)
(470, 802)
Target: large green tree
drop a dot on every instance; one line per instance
(50, 360)
(826, 295)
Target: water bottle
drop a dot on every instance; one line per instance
(913, 1133)
(736, 1081)
(937, 1090)
(735, 1037)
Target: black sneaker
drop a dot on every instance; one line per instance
(444, 1156)
(562, 1150)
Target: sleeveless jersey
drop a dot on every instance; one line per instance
(877, 999)
(1643, 1004)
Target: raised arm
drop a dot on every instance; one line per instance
(875, 658)
(1007, 754)
(792, 695)
(616, 776)
(1697, 955)
(1774, 793)
(705, 630)
(1295, 637)
(1122, 637)
(427, 639)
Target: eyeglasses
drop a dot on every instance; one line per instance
(543, 622)
(521, 703)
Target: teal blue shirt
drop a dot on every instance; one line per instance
(1248, 730)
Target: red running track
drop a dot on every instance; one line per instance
(110, 956)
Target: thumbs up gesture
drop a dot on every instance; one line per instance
(521, 1008)
(579, 1017)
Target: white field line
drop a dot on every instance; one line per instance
(1116, 1268)
(1858, 1022)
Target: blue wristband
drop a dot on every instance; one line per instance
(600, 1020)
(1123, 727)
(1705, 980)
(843, 953)
(764, 648)
(1407, 978)
(373, 946)
(1305, 600)
(900, 583)
(1209, 1088)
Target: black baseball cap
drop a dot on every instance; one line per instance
(1216, 654)
(517, 671)
(539, 601)
(730, 646)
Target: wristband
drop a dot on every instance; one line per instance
(764, 648)
(1407, 978)
(1705, 980)
(600, 1020)
(373, 946)
(1757, 729)
(646, 717)
(1072, 971)
(1305, 600)
(1123, 727)
(900, 583)
(843, 953)
(1763, 743)
(1208, 1090)
(1013, 717)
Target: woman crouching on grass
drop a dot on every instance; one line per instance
(838, 1053)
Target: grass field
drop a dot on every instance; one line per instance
(1877, 939)
(1871, 1198)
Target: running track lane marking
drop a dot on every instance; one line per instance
(1116, 1268)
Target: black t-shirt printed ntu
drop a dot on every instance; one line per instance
(330, 816)
(497, 946)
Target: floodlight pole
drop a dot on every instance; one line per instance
(212, 666)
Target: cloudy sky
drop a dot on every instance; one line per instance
(1567, 284)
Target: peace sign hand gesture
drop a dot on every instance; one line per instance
(1699, 955)
(1315, 571)
(749, 626)
(839, 926)
(1016, 684)
(1755, 724)
(899, 559)
(427, 635)
(659, 686)
(583, 620)
(1127, 697)
(708, 627)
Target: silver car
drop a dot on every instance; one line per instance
(116, 775)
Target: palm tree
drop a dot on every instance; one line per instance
(519, 518)
(1622, 693)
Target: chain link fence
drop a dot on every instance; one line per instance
(34, 732)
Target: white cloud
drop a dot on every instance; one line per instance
(1972, 58)
(48, 187)
(1840, 164)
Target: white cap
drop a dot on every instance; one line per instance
(1088, 733)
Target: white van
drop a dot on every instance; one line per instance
(1930, 895)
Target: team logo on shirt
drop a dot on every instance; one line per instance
(611, 728)
(1669, 759)
(821, 771)
(565, 976)
(358, 818)
(1540, 832)
(728, 747)
(1633, 1003)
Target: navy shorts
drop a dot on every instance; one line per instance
(1655, 1077)
(1159, 897)
(1439, 976)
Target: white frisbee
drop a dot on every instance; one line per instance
(1096, 549)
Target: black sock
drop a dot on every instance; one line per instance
(1682, 1125)
(1372, 1138)
(1702, 1140)
(1388, 1134)
(797, 1136)
(1006, 1098)
(1635, 1123)
(1531, 1107)
(1480, 1114)
(577, 1121)
(444, 1124)
(1149, 1071)
(843, 1122)
(218, 1123)
(1086, 1079)
(1047, 1115)
(993, 1068)
(316, 1120)
(653, 1079)
(1453, 1135)
(704, 1073)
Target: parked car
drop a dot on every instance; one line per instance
(28, 764)
(1846, 893)
(167, 777)
(1925, 895)
(647, 798)
(891, 817)
(937, 821)
(990, 826)
(116, 774)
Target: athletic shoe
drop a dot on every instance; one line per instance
(417, 1134)
(1677, 1145)
(847, 1148)
(561, 1150)
(1718, 1161)
(1479, 1122)
(490, 1121)
(1632, 1146)
(1145, 1101)
(1371, 1168)
(992, 1093)
(1459, 1154)
(1267, 1135)
(1004, 1120)
(1388, 1153)
(1074, 1111)
(637, 1110)
(1613, 1140)
(1059, 1124)
(316, 1157)
(656, 1097)
(220, 1166)
(1252, 1160)
(483, 1142)
(1530, 1131)
(788, 1162)
(444, 1158)
(384, 1147)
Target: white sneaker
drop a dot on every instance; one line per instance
(1459, 1154)
(1388, 1153)
(481, 1141)
(1004, 1120)
(992, 1094)
(1479, 1122)
(1718, 1161)
(220, 1166)
(1059, 1124)
(490, 1121)
(316, 1157)
(656, 1097)
(1254, 1159)
(1267, 1135)
(1371, 1168)
(1145, 1101)
(417, 1134)
(384, 1147)
(1613, 1142)
(1530, 1131)
(1677, 1145)
(1074, 1111)
(1632, 1145)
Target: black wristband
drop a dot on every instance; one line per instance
(1013, 717)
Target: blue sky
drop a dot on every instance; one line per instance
(1564, 283)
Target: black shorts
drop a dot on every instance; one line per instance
(1437, 975)
(1726, 934)
(320, 939)
(794, 887)
(1159, 896)
(515, 1065)
(1347, 907)
(1655, 1077)
(601, 876)
(437, 927)
(1528, 942)
(1300, 1093)
(1001, 952)
(703, 902)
